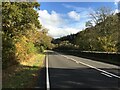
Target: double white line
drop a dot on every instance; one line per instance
(102, 71)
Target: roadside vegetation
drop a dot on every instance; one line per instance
(24, 41)
(101, 34)
(24, 75)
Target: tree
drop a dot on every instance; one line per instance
(88, 24)
(118, 28)
(21, 17)
(17, 20)
(100, 14)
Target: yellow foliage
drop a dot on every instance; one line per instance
(21, 48)
(107, 44)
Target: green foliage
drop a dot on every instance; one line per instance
(21, 38)
(8, 51)
(20, 16)
(31, 48)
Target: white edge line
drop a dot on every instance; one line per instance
(92, 67)
(47, 75)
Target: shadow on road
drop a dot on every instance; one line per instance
(82, 78)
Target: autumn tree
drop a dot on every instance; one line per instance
(20, 32)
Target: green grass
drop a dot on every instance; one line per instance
(23, 75)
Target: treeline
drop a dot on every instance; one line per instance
(103, 36)
(22, 34)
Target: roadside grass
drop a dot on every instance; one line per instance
(24, 75)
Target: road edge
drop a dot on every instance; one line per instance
(47, 74)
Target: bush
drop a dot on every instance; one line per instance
(31, 48)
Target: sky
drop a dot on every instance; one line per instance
(65, 18)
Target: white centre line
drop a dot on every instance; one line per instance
(106, 74)
(103, 71)
(47, 75)
(100, 70)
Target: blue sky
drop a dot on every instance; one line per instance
(59, 6)
(64, 18)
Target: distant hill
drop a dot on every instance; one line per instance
(104, 36)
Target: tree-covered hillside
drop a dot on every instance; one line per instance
(103, 36)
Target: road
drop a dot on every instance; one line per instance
(66, 71)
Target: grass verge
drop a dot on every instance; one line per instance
(24, 75)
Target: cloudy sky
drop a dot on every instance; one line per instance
(64, 18)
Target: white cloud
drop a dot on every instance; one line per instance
(59, 32)
(83, 12)
(116, 11)
(77, 9)
(59, 25)
(74, 15)
(49, 19)
(117, 6)
(116, 2)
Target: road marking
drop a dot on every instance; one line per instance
(47, 75)
(106, 74)
(100, 70)
(103, 71)
(77, 62)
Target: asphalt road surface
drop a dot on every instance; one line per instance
(67, 71)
